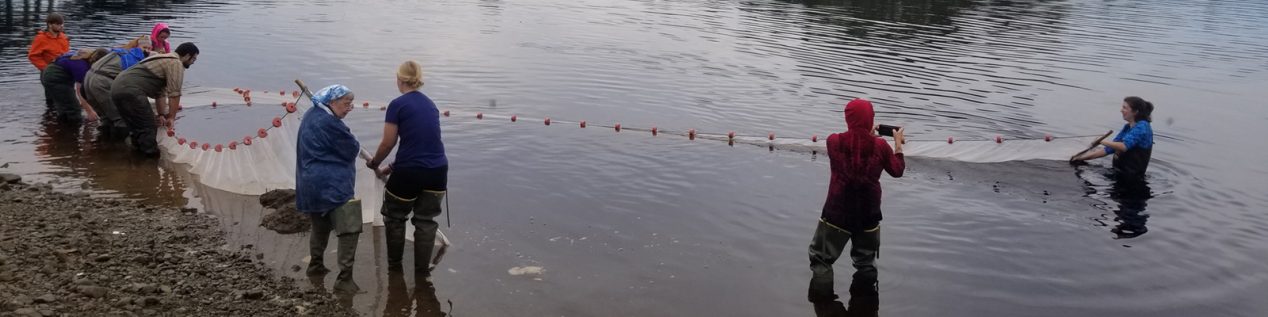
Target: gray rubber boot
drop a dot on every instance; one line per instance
(347, 254)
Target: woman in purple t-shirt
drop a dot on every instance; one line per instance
(63, 81)
(418, 176)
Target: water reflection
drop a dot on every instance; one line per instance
(927, 12)
(401, 302)
(859, 306)
(104, 165)
(1130, 196)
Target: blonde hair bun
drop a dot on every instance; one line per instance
(411, 74)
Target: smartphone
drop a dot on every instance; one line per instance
(886, 130)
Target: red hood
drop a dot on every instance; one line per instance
(859, 116)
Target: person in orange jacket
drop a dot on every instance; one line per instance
(49, 43)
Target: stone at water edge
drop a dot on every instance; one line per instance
(7, 178)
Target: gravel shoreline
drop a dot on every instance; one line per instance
(72, 255)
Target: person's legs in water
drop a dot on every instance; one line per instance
(864, 251)
(426, 208)
(317, 240)
(59, 88)
(825, 249)
(395, 211)
(347, 254)
(138, 113)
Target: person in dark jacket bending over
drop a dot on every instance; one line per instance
(326, 174)
(853, 206)
(419, 175)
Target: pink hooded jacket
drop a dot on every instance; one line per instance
(160, 46)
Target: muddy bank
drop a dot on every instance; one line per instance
(71, 255)
(285, 218)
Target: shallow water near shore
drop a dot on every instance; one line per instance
(634, 225)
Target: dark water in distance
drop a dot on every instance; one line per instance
(628, 225)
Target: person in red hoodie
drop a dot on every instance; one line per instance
(853, 206)
(49, 43)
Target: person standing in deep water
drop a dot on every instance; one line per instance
(852, 210)
(1132, 149)
(418, 176)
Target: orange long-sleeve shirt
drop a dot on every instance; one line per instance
(45, 49)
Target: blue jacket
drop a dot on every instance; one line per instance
(128, 56)
(326, 162)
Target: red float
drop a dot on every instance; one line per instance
(180, 141)
(691, 134)
(999, 139)
(583, 123)
(170, 132)
(206, 146)
(547, 122)
(446, 113)
(277, 122)
(290, 108)
(618, 127)
(219, 148)
(514, 118)
(814, 138)
(365, 105)
(653, 131)
(479, 115)
(233, 145)
(1047, 137)
(950, 140)
(771, 136)
(730, 135)
(246, 140)
(193, 145)
(262, 133)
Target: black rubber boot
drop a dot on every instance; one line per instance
(426, 207)
(317, 244)
(394, 213)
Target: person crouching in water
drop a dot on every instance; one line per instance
(159, 76)
(326, 173)
(853, 206)
(63, 81)
(99, 79)
(418, 176)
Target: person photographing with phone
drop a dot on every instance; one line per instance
(853, 206)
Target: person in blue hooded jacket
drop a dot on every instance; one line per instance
(325, 175)
(97, 86)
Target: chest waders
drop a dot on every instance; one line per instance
(130, 92)
(97, 90)
(59, 89)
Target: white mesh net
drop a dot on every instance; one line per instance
(268, 161)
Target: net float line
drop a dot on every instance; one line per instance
(993, 149)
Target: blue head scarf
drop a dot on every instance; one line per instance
(324, 96)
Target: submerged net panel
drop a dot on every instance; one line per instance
(267, 162)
